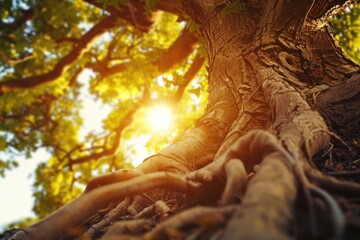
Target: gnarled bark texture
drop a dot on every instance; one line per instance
(279, 88)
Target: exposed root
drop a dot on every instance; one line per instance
(107, 220)
(354, 173)
(337, 218)
(132, 227)
(250, 148)
(72, 214)
(236, 180)
(138, 203)
(146, 212)
(331, 184)
(267, 207)
(98, 216)
(176, 225)
(253, 148)
(162, 208)
(117, 176)
(121, 237)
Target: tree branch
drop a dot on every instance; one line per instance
(133, 14)
(178, 51)
(105, 71)
(109, 151)
(82, 46)
(189, 75)
(14, 61)
(181, 48)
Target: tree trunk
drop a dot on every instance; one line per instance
(278, 87)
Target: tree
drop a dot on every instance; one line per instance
(282, 98)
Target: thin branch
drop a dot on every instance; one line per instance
(109, 151)
(137, 12)
(14, 61)
(84, 43)
(189, 75)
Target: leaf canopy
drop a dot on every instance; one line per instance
(88, 62)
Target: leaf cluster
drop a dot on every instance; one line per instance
(346, 28)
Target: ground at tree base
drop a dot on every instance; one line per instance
(200, 214)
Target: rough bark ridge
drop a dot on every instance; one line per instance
(249, 160)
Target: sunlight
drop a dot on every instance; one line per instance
(160, 118)
(93, 110)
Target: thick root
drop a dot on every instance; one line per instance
(60, 222)
(267, 208)
(176, 225)
(236, 180)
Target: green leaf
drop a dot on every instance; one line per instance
(195, 91)
(151, 4)
(235, 7)
(192, 26)
(2, 143)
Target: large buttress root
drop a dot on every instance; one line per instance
(267, 207)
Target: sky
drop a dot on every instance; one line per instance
(15, 188)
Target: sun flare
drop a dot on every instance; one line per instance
(160, 118)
